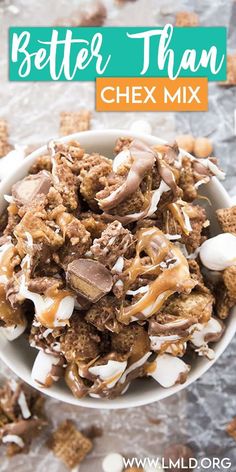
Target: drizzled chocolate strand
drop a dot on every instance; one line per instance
(143, 158)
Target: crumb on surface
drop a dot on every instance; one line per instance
(186, 18)
(5, 146)
(74, 122)
(231, 428)
(231, 71)
(69, 444)
(21, 415)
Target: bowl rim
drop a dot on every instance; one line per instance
(122, 401)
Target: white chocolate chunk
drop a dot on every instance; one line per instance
(219, 252)
(42, 368)
(110, 372)
(113, 462)
(168, 370)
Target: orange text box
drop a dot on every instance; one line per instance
(151, 94)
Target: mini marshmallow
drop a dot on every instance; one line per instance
(112, 370)
(113, 462)
(200, 331)
(219, 252)
(42, 369)
(42, 304)
(168, 370)
(13, 332)
(150, 468)
(141, 126)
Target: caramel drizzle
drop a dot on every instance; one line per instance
(175, 278)
(177, 345)
(6, 268)
(48, 317)
(178, 215)
(157, 249)
(7, 313)
(63, 219)
(150, 367)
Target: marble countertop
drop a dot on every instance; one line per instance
(198, 415)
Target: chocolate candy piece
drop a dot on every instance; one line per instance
(89, 278)
(28, 189)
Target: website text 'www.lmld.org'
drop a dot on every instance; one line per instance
(158, 463)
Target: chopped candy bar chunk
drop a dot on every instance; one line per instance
(31, 187)
(73, 122)
(89, 278)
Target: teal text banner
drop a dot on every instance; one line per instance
(82, 54)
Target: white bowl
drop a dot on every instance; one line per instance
(19, 356)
